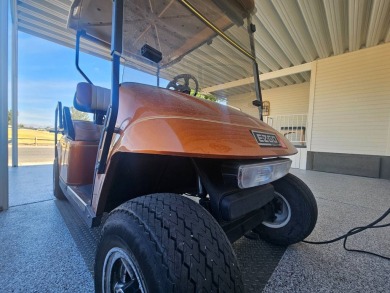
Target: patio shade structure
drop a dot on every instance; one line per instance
(289, 36)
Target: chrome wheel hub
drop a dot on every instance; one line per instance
(282, 212)
(121, 273)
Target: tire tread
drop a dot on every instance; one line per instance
(168, 221)
(293, 232)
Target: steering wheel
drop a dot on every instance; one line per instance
(183, 88)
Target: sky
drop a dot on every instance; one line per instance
(47, 74)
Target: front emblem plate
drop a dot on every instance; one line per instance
(266, 139)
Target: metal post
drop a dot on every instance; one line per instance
(116, 51)
(3, 105)
(256, 73)
(15, 53)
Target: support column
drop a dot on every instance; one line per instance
(309, 130)
(15, 70)
(3, 105)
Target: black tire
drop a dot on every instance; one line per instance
(173, 244)
(57, 191)
(301, 205)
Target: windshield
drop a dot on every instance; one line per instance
(173, 29)
(180, 30)
(187, 44)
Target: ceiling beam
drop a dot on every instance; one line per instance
(358, 17)
(314, 14)
(379, 20)
(335, 12)
(47, 7)
(28, 13)
(272, 22)
(263, 77)
(291, 16)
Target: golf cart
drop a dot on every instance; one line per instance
(175, 177)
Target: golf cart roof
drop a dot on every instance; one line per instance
(167, 26)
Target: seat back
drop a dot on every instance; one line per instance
(68, 124)
(91, 98)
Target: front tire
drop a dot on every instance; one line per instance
(165, 243)
(295, 213)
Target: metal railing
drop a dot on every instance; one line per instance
(35, 141)
(293, 127)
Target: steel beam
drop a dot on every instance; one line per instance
(3, 105)
(264, 76)
(15, 112)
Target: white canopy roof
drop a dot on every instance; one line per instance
(289, 33)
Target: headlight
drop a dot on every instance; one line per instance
(262, 173)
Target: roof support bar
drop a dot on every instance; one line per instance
(112, 113)
(78, 36)
(256, 75)
(3, 105)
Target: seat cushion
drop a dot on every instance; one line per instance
(86, 130)
(91, 98)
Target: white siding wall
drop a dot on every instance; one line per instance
(351, 111)
(244, 103)
(293, 99)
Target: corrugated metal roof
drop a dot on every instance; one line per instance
(288, 33)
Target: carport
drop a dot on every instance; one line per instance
(331, 57)
(306, 49)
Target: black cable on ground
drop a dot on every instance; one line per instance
(356, 231)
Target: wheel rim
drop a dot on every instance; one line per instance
(121, 273)
(282, 212)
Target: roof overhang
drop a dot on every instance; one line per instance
(289, 33)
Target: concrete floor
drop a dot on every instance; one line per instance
(38, 254)
(344, 202)
(32, 155)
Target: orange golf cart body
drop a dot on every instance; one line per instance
(149, 148)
